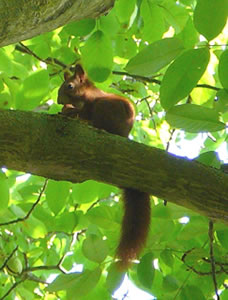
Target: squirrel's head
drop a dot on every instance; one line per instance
(73, 89)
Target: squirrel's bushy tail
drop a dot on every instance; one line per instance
(135, 225)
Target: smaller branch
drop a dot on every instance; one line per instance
(11, 289)
(207, 86)
(30, 211)
(211, 238)
(8, 258)
(38, 268)
(170, 139)
(35, 278)
(55, 61)
(138, 77)
(221, 269)
(49, 60)
(153, 80)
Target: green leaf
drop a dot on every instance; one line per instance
(125, 47)
(124, 9)
(223, 237)
(19, 70)
(78, 283)
(210, 17)
(95, 248)
(189, 36)
(221, 104)
(57, 193)
(109, 24)
(103, 217)
(167, 257)
(154, 57)
(145, 270)
(114, 278)
(42, 50)
(194, 118)
(80, 28)
(34, 228)
(154, 22)
(14, 265)
(190, 292)
(224, 295)
(223, 69)
(4, 191)
(34, 90)
(85, 192)
(182, 76)
(175, 14)
(97, 56)
(209, 158)
(1, 86)
(5, 63)
(170, 283)
(66, 222)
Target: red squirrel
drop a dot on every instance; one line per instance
(115, 114)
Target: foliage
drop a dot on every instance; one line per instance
(143, 49)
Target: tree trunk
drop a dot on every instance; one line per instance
(60, 148)
(21, 20)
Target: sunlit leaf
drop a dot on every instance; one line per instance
(194, 118)
(145, 270)
(191, 292)
(94, 248)
(114, 278)
(97, 56)
(170, 283)
(209, 158)
(124, 9)
(154, 57)
(4, 191)
(57, 193)
(167, 257)
(223, 69)
(210, 17)
(154, 21)
(5, 63)
(79, 283)
(82, 27)
(182, 76)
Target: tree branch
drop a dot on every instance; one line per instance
(60, 148)
(31, 209)
(20, 20)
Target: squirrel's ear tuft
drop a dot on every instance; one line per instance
(79, 72)
(66, 75)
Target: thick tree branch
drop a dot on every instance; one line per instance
(20, 20)
(57, 147)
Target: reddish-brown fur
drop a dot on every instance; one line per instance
(114, 114)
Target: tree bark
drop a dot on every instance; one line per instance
(21, 20)
(60, 148)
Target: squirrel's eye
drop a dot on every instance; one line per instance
(70, 86)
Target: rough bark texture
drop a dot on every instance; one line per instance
(22, 19)
(57, 147)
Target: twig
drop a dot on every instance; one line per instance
(153, 80)
(170, 139)
(8, 258)
(12, 288)
(220, 270)
(207, 86)
(31, 209)
(211, 237)
(49, 60)
(55, 61)
(138, 77)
